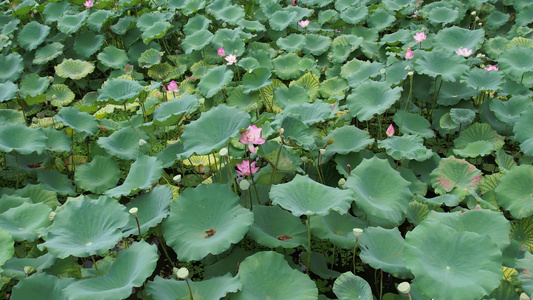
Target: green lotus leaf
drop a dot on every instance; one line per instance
(525, 266)
(119, 91)
(112, 57)
(370, 98)
(515, 190)
(348, 286)
(122, 25)
(286, 66)
(56, 181)
(308, 113)
(398, 5)
(328, 16)
(246, 102)
(132, 267)
(452, 93)
(280, 281)
(79, 121)
(446, 122)
(382, 249)
(11, 67)
(477, 140)
(143, 172)
(347, 139)
(10, 116)
(196, 23)
(280, 20)
(310, 82)
(196, 139)
(32, 85)
(150, 57)
(86, 227)
(274, 227)
(230, 14)
(74, 68)
(448, 65)
(297, 131)
(205, 220)
(333, 89)
(146, 21)
(7, 247)
(406, 147)
(101, 174)
(294, 94)
(152, 209)
(256, 80)
(316, 44)
(337, 228)
(292, 42)
(442, 15)
(213, 288)
(523, 133)
(303, 196)
(14, 268)
(413, 124)
(453, 38)
(11, 201)
(215, 80)
(98, 18)
(462, 116)
(516, 61)
(509, 111)
(380, 19)
(54, 10)
(196, 41)
(156, 31)
(21, 139)
(456, 176)
(251, 25)
(479, 79)
(354, 14)
(32, 35)
(23, 221)
(8, 90)
(124, 143)
(41, 286)
(60, 95)
(69, 24)
(170, 112)
(38, 194)
(385, 201)
(87, 43)
(438, 271)
(249, 63)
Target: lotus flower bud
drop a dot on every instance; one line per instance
(51, 216)
(410, 73)
(281, 131)
(142, 142)
(342, 181)
(357, 232)
(330, 141)
(322, 151)
(244, 184)
(177, 178)
(133, 210)
(524, 296)
(404, 287)
(201, 101)
(473, 13)
(181, 273)
(223, 152)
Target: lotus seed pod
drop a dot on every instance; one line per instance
(408, 68)
(524, 296)
(133, 210)
(342, 181)
(304, 159)
(201, 101)
(410, 73)
(244, 184)
(142, 142)
(177, 178)
(182, 273)
(51, 216)
(322, 151)
(223, 152)
(473, 13)
(357, 232)
(382, 70)
(404, 287)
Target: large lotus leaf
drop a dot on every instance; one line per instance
(132, 267)
(294, 94)
(7, 247)
(11, 67)
(251, 25)
(509, 111)
(516, 61)
(21, 139)
(196, 41)
(14, 268)
(348, 286)
(449, 66)
(60, 95)
(452, 93)
(124, 143)
(211, 289)
(483, 222)
(56, 181)
(479, 79)
(32, 35)
(462, 116)
(152, 209)
(10, 116)
(286, 66)
(147, 19)
(257, 79)
(143, 172)
(479, 139)
(198, 22)
(86, 227)
(205, 220)
(515, 191)
(523, 132)
(87, 43)
(8, 90)
(156, 31)
(380, 191)
(32, 85)
(11, 201)
(79, 121)
(170, 112)
(74, 68)
(304, 196)
(442, 15)
(150, 57)
(101, 174)
(354, 14)
(316, 44)
(382, 249)
(69, 24)
(230, 14)
(196, 139)
(292, 42)
(337, 228)
(215, 80)
(281, 19)
(119, 91)
(406, 147)
(54, 10)
(380, 19)
(274, 227)
(122, 25)
(371, 98)
(470, 269)
(413, 124)
(24, 221)
(41, 286)
(308, 113)
(98, 18)
(347, 139)
(456, 176)
(113, 57)
(453, 38)
(333, 89)
(278, 279)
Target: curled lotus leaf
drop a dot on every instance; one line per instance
(410, 147)
(74, 68)
(337, 228)
(32, 85)
(79, 121)
(348, 286)
(212, 288)
(24, 221)
(509, 111)
(32, 35)
(143, 173)
(515, 191)
(155, 31)
(456, 176)
(281, 19)
(215, 80)
(196, 41)
(12, 67)
(87, 43)
(7, 247)
(170, 112)
(124, 143)
(69, 24)
(113, 57)
(23, 140)
(347, 139)
(8, 90)
(41, 286)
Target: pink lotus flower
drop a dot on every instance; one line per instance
(172, 87)
(252, 137)
(464, 52)
(244, 168)
(415, 14)
(390, 131)
(409, 54)
(303, 23)
(221, 52)
(231, 59)
(88, 4)
(420, 37)
(491, 68)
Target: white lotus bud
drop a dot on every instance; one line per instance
(480, 24)
(410, 73)
(357, 232)
(223, 152)
(177, 178)
(202, 101)
(477, 19)
(51, 216)
(244, 184)
(142, 142)
(133, 210)
(404, 287)
(159, 8)
(182, 273)
(322, 151)
(473, 13)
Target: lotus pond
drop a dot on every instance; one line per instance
(266, 149)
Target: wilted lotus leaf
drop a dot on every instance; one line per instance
(304, 196)
(41, 286)
(510, 110)
(24, 220)
(522, 231)
(60, 95)
(7, 247)
(113, 57)
(448, 65)
(213, 288)
(86, 227)
(215, 80)
(279, 280)
(205, 220)
(87, 43)
(21, 139)
(478, 139)
(515, 191)
(453, 38)
(69, 24)
(337, 228)
(143, 172)
(456, 176)
(101, 174)
(119, 91)
(481, 80)
(79, 121)
(132, 267)
(274, 227)
(471, 268)
(152, 209)
(11, 67)
(371, 98)
(32, 35)
(124, 143)
(406, 147)
(523, 132)
(380, 191)
(348, 287)
(8, 90)
(347, 139)
(74, 68)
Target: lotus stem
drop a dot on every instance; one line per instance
(333, 260)
(253, 181)
(138, 226)
(381, 285)
(437, 91)
(380, 120)
(95, 266)
(308, 244)
(407, 103)
(276, 165)
(354, 252)
(161, 239)
(17, 168)
(76, 266)
(189, 286)
(129, 121)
